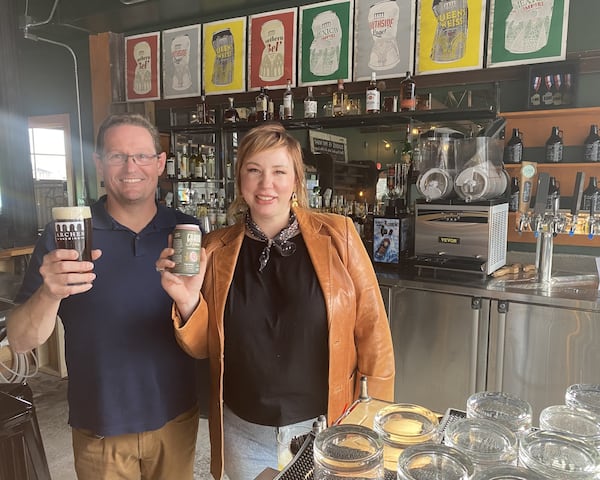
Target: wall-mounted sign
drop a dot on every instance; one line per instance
(142, 67)
(334, 145)
(181, 62)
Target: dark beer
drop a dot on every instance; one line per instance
(73, 230)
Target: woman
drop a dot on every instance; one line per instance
(286, 306)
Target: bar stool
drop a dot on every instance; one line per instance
(22, 455)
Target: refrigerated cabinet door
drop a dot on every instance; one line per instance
(537, 351)
(440, 347)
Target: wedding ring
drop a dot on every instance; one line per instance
(160, 270)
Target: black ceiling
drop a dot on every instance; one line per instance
(95, 16)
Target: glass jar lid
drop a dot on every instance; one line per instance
(559, 455)
(484, 441)
(584, 395)
(404, 424)
(507, 472)
(348, 448)
(432, 461)
(501, 407)
(576, 421)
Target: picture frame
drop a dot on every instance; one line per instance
(384, 38)
(450, 35)
(325, 36)
(534, 32)
(224, 56)
(142, 67)
(182, 72)
(272, 47)
(386, 240)
(552, 86)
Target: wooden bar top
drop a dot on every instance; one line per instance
(16, 251)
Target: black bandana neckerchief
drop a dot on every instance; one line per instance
(281, 241)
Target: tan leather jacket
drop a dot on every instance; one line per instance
(359, 336)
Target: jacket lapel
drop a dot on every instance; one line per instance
(319, 249)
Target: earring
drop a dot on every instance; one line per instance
(294, 200)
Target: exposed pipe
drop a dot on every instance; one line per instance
(38, 24)
(36, 38)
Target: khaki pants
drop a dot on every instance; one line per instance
(166, 453)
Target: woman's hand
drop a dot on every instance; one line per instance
(183, 289)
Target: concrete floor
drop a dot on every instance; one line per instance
(50, 400)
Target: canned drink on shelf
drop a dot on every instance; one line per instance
(187, 241)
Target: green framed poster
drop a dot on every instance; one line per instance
(325, 55)
(527, 31)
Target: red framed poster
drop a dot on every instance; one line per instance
(272, 49)
(142, 67)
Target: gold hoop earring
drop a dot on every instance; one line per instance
(294, 200)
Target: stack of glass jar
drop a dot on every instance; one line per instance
(495, 441)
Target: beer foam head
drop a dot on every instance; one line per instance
(71, 213)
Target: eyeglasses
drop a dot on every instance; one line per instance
(119, 159)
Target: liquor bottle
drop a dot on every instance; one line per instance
(288, 101)
(553, 202)
(191, 160)
(407, 148)
(591, 195)
(252, 115)
(591, 152)
(183, 162)
(210, 164)
(373, 104)
(408, 95)
(200, 170)
(231, 115)
(202, 109)
(554, 146)
(310, 105)
(339, 99)
(548, 96)
(271, 110)
(513, 153)
(262, 106)
(171, 166)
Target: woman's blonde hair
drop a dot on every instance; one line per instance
(265, 137)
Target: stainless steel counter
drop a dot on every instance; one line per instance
(567, 290)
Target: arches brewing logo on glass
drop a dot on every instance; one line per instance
(73, 230)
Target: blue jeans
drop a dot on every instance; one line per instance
(250, 448)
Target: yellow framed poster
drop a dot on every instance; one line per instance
(450, 35)
(224, 56)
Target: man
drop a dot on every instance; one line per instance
(132, 397)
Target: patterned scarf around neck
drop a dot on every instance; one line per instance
(280, 241)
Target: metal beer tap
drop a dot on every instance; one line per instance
(528, 170)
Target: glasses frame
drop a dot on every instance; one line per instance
(118, 159)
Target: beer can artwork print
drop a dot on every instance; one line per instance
(187, 241)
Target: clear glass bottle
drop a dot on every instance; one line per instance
(288, 101)
(591, 151)
(373, 100)
(310, 104)
(340, 98)
(171, 170)
(231, 115)
(210, 164)
(183, 162)
(262, 105)
(554, 146)
(514, 148)
(191, 160)
(201, 166)
(202, 110)
(408, 95)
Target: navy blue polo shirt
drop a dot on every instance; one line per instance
(126, 371)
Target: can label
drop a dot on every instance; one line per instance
(187, 241)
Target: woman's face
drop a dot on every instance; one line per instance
(267, 181)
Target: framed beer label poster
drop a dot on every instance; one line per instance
(384, 38)
(224, 54)
(527, 31)
(325, 52)
(272, 49)
(181, 62)
(142, 67)
(386, 240)
(450, 35)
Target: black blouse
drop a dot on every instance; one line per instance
(276, 338)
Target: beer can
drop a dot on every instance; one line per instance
(187, 241)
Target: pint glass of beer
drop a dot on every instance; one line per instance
(73, 230)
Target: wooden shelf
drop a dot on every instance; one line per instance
(536, 125)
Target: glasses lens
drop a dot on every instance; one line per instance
(118, 158)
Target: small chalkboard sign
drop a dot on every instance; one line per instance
(334, 145)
